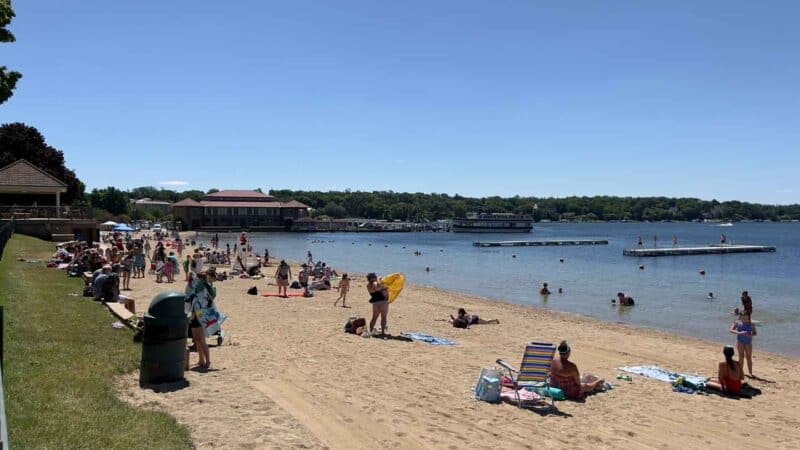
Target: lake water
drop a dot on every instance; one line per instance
(670, 293)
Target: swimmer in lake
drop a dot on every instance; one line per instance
(623, 299)
(544, 290)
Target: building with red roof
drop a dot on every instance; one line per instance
(236, 210)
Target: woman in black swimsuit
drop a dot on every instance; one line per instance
(379, 297)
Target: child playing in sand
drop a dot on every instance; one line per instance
(344, 286)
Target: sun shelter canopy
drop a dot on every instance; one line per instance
(110, 223)
(123, 227)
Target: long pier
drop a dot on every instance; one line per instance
(539, 243)
(715, 249)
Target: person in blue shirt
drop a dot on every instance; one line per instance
(744, 330)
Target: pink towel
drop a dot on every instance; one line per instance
(508, 395)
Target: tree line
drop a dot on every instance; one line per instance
(18, 140)
(420, 207)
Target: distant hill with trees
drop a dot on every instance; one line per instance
(418, 206)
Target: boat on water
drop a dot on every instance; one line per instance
(726, 224)
(493, 223)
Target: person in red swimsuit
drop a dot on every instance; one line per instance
(730, 374)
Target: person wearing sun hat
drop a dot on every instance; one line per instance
(564, 375)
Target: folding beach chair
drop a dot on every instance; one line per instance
(534, 370)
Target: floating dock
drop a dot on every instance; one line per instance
(539, 243)
(716, 249)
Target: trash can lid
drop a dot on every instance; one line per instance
(168, 304)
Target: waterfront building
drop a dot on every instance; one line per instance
(237, 210)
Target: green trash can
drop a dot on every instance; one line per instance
(164, 339)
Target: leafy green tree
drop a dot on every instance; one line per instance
(18, 141)
(334, 210)
(110, 199)
(8, 78)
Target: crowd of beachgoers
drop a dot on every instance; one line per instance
(165, 257)
(129, 269)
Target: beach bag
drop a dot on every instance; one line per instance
(488, 386)
(550, 391)
(253, 291)
(295, 285)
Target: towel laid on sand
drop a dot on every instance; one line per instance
(510, 395)
(660, 374)
(290, 294)
(433, 340)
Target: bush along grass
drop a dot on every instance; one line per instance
(61, 358)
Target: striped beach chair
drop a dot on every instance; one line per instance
(534, 372)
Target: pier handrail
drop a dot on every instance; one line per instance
(5, 234)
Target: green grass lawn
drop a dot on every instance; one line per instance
(61, 357)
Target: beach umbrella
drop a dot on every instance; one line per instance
(108, 225)
(123, 227)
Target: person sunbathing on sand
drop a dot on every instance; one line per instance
(464, 320)
(730, 374)
(564, 375)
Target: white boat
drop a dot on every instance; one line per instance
(493, 223)
(726, 224)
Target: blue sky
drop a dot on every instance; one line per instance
(542, 98)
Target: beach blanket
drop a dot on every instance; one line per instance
(290, 294)
(427, 338)
(660, 374)
(510, 396)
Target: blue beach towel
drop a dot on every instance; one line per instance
(660, 374)
(427, 338)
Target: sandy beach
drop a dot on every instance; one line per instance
(289, 377)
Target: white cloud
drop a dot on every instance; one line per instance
(173, 183)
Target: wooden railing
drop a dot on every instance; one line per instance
(44, 212)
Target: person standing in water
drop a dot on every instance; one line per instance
(674, 241)
(379, 298)
(747, 304)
